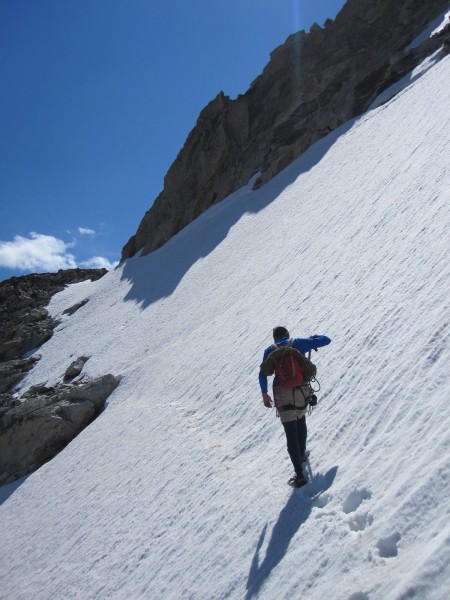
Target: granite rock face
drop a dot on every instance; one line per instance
(313, 83)
(40, 424)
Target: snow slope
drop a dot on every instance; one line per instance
(178, 490)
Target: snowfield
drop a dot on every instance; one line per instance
(178, 490)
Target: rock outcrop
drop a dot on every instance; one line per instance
(73, 309)
(44, 420)
(36, 426)
(312, 84)
(12, 371)
(25, 324)
(75, 368)
(40, 424)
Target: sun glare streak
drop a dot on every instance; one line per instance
(297, 47)
(296, 14)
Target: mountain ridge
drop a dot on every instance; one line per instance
(312, 84)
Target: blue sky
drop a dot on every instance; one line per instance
(97, 99)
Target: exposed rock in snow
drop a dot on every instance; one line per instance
(33, 430)
(73, 309)
(75, 368)
(24, 322)
(12, 371)
(45, 421)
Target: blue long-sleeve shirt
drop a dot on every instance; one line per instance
(303, 345)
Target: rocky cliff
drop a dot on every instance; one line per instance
(36, 426)
(312, 84)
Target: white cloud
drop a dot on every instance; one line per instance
(98, 262)
(86, 231)
(45, 253)
(36, 253)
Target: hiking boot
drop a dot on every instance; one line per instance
(297, 480)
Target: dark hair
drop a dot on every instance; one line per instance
(280, 332)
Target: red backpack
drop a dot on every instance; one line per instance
(287, 367)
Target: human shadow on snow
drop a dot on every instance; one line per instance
(294, 514)
(158, 274)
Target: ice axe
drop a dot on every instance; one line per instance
(309, 353)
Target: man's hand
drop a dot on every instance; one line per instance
(267, 400)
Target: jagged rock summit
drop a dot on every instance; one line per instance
(312, 84)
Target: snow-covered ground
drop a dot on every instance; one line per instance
(178, 490)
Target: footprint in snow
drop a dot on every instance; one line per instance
(322, 500)
(354, 500)
(387, 547)
(360, 522)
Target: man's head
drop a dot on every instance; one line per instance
(280, 332)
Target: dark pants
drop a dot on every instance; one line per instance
(296, 434)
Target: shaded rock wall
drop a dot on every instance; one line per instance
(312, 84)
